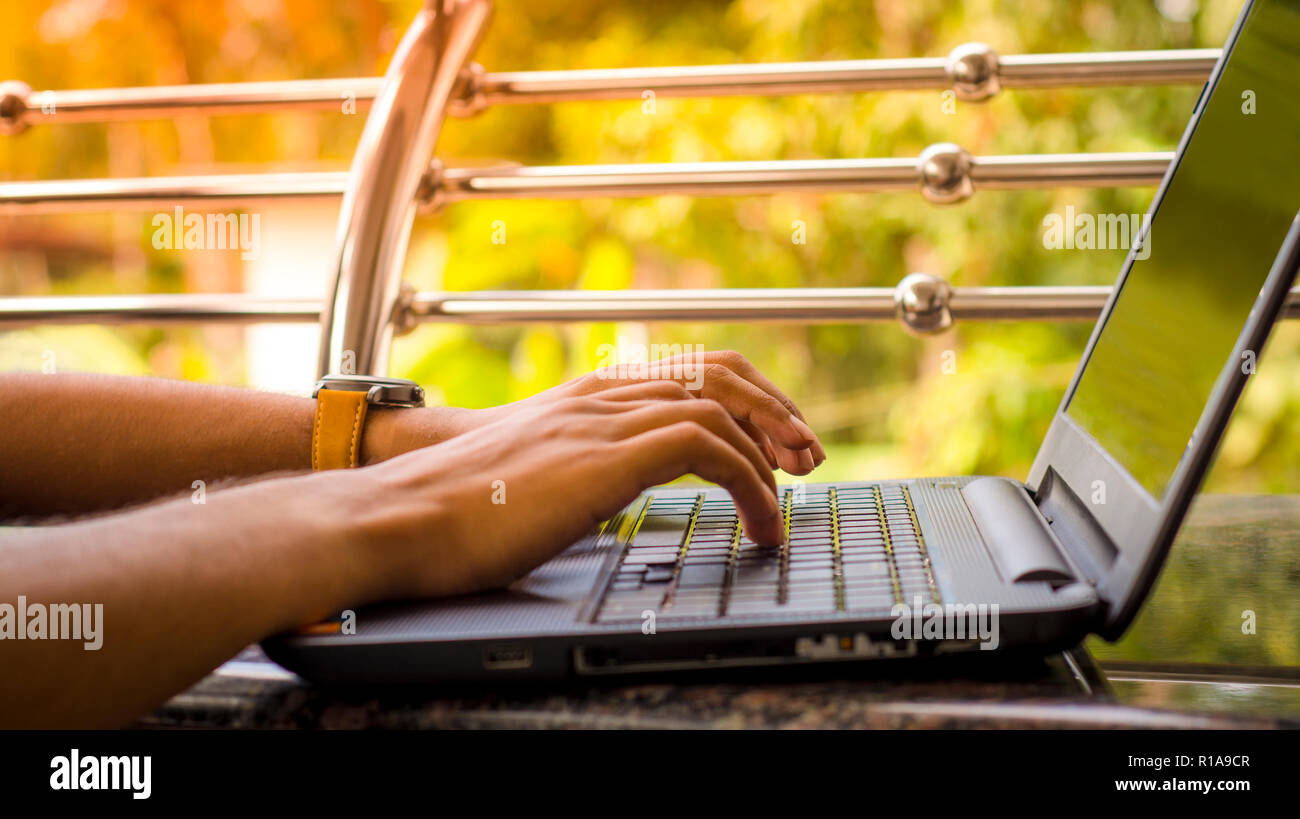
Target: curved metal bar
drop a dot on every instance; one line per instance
(380, 203)
(482, 89)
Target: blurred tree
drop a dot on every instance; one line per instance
(883, 400)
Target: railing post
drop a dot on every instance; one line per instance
(379, 204)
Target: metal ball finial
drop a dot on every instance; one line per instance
(945, 171)
(14, 102)
(921, 302)
(972, 71)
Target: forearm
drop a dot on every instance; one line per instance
(183, 587)
(77, 443)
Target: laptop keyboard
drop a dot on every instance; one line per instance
(848, 549)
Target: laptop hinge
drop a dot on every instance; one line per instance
(1082, 539)
(1022, 545)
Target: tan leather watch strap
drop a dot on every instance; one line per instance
(336, 435)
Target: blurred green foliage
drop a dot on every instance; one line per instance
(881, 398)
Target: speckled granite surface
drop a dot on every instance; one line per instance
(1061, 691)
(254, 693)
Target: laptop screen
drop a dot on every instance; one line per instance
(1210, 244)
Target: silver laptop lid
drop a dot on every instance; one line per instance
(1193, 305)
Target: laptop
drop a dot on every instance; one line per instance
(927, 566)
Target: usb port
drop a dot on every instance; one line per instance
(502, 658)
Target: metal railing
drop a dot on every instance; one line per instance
(799, 305)
(944, 173)
(432, 76)
(479, 89)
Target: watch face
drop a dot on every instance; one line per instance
(363, 382)
(380, 391)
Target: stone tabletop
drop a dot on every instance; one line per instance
(1179, 667)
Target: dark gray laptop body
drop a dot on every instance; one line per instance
(1057, 563)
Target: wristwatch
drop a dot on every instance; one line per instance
(341, 404)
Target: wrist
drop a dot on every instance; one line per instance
(402, 528)
(369, 532)
(392, 431)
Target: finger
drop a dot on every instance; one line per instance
(744, 400)
(777, 457)
(789, 460)
(644, 416)
(764, 443)
(734, 393)
(657, 390)
(785, 425)
(665, 453)
(744, 368)
(795, 462)
(806, 463)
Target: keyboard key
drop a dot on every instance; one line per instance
(752, 607)
(708, 549)
(759, 573)
(766, 597)
(811, 550)
(659, 537)
(863, 557)
(881, 605)
(865, 570)
(807, 606)
(653, 551)
(708, 574)
(861, 530)
(659, 575)
(823, 564)
(807, 574)
(650, 560)
(705, 560)
(690, 610)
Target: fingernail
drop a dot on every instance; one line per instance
(806, 461)
(801, 429)
(778, 535)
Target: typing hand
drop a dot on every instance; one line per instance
(760, 409)
(485, 507)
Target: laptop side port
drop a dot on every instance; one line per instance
(858, 646)
(507, 657)
(787, 651)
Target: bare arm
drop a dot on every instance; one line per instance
(184, 586)
(77, 443)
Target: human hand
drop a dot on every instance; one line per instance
(485, 507)
(760, 409)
